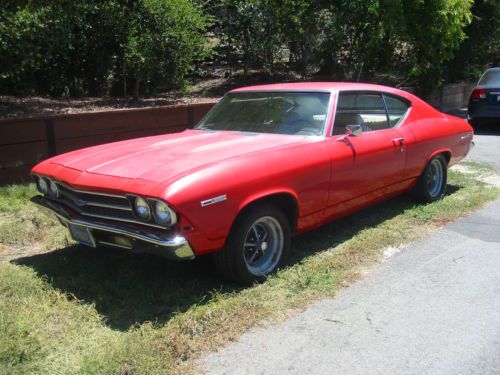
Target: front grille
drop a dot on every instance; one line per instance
(99, 205)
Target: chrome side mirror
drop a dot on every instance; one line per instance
(353, 130)
(350, 130)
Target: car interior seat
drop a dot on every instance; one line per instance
(344, 119)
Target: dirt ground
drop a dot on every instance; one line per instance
(202, 90)
(15, 107)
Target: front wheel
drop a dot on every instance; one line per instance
(431, 185)
(257, 246)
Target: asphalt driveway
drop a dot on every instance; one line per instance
(433, 308)
(487, 147)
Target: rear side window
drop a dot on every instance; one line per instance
(365, 109)
(491, 77)
(396, 109)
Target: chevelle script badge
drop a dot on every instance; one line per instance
(210, 201)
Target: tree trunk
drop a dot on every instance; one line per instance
(137, 86)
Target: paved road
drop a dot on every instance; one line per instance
(433, 308)
(487, 148)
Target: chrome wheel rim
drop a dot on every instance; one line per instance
(263, 246)
(435, 178)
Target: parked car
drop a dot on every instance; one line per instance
(266, 163)
(484, 102)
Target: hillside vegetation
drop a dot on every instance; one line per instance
(143, 47)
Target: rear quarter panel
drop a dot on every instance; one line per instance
(434, 133)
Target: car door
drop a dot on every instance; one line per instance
(371, 165)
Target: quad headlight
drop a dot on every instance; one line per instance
(153, 209)
(142, 209)
(53, 189)
(42, 185)
(46, 186)
(163, 214)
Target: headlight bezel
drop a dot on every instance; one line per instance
(43, 189)
(53, 190)
(156, 203)
(135, 207)
(46, 186)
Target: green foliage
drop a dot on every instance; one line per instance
(344, 38)
(90, 47)
(165, 38)
(481, 48)
(102, 47)
(434, 31)
(246, 30)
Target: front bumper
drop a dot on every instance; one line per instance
(173, 247)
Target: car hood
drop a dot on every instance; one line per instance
(164, 157)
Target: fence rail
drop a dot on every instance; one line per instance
(25, 142)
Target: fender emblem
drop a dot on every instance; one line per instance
(210, 201)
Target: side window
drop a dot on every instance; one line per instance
(396, 108)
(365, 109)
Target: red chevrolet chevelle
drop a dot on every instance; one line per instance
(267, 162)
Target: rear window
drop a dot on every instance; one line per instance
(491, 77)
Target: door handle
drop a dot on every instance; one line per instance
(399, 140)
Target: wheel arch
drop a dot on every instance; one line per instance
(446, 152)
(285, 200)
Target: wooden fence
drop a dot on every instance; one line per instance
(25, 142)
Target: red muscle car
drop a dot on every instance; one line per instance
(266, 163)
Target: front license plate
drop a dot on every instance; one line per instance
(82, 235)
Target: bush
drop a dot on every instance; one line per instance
(164, 40)
(92, 47)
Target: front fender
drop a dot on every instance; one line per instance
(254, 197)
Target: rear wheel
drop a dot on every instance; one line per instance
(257, 246)
(431, 185)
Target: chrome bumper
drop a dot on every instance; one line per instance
(176, 248)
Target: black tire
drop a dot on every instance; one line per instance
(232, 261)
(426, 190)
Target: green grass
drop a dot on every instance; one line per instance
(22, 224)
(75, 310)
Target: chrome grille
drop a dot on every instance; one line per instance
(99, 205)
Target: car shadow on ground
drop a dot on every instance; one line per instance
(130, 289)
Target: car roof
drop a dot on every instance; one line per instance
(321, 86)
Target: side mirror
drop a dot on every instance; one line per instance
(353, 130)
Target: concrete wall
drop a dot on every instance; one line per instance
(451, 96)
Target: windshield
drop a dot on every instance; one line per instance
(301, 113)
(491, 77)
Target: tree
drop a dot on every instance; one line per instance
(87, 47)
(432, 31)
(481, 46)
(165, 38)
